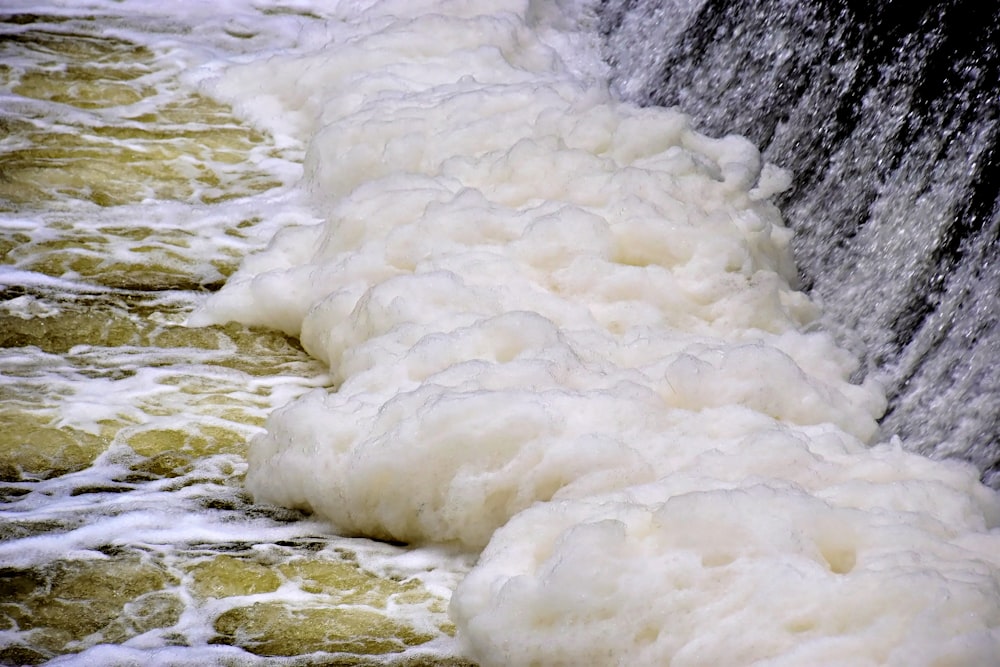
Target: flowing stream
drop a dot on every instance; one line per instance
(426, 332)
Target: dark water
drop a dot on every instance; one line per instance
(887, 114)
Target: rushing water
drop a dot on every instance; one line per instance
(281, 280)
(887, 114)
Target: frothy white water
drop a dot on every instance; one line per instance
(566, 329)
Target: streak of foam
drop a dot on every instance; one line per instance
(125, 527)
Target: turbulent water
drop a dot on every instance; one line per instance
(387, 332)
(887, 113)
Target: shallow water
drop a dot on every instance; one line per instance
(125, 194)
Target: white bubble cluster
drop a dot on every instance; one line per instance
(566, 329)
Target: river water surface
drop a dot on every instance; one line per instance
(126, 193)
(382, 333)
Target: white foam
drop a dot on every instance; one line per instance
(728, 577)
(568, 327)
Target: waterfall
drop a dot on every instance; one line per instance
(886, 113)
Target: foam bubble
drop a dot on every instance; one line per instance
(716, 577)
(568, 328)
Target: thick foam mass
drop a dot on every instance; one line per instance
(567, 327)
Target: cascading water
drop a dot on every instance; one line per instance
(887, 114)
(510, 371)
